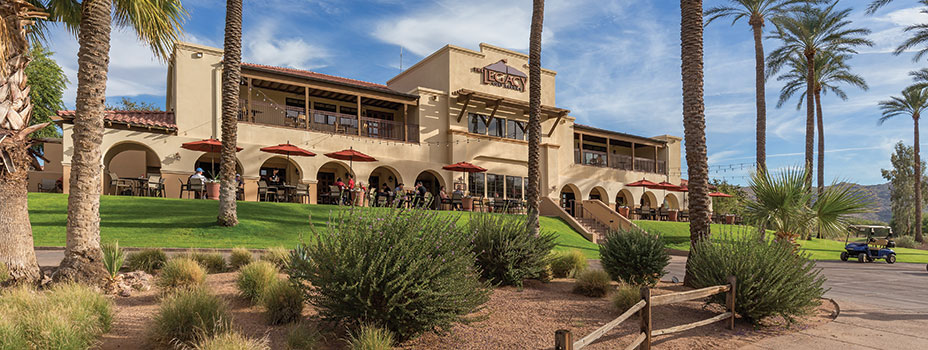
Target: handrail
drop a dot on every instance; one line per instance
(688, 295)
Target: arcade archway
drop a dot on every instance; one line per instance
(129, 160)
(568, 196)
(433, 183)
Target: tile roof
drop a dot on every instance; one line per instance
(324, 77)
(134, 118)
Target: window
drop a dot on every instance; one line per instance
(348, 110)
(379, 115)
(496, 127)
(515, 129)
(476, 183)
(478, 124)
(514, 187)
(325, 107)
(495, 186)
(320, 118)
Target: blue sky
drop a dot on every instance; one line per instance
(617, 61)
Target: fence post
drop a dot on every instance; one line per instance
(645, 315)
(731, 301)
(563, 340)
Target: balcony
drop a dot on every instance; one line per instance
(619, 161)
(269, 113)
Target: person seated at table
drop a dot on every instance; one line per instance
(198, 175)
(458, 192)
(400, 195)
(350, 182)
(420, 194)
(443, 195)
(274, 179)
(239, 181)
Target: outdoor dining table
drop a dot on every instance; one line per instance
(288, 191)
(138, 184)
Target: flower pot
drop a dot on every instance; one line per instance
(672, 215)
(729, 219)
(212, 190)
(467, 203)
(623, 211)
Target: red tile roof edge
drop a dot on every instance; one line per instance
(325, 77)
(144, 118)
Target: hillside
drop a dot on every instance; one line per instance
(883, 209)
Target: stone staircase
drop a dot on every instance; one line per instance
(594, 227)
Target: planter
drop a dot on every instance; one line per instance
(623, 211)
(672, 215)
(212, 190)
(729, 219)
(468, 203)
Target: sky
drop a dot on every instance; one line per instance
(618, 64)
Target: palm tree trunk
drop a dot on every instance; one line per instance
(757, 26)
(534, 114)
(918, 185)
(694, 121)
(810, 116)
(83, 260)
(821, 140)
(231, 80)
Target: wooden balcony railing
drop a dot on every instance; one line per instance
(619, 161)
(269, 113)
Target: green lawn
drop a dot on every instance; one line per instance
(676, 235)
(187, 223)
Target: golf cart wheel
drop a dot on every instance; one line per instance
(843, 256)
(861, 258)
(869, 259)
(891, 259)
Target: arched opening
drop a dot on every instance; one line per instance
(598, 193)
(568, 197)
(648, 200)
(624, 198)
(326, 177)
(280, 170)
(432, 183)
(670, 202)
(210, 163)
(384, 176)
(128, 161)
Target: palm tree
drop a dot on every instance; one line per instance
(17, 251)
(694, 120)
(913, 102)
(231, 81)
(534, 113)
(807, 31)
(756, 11)
(831, 71)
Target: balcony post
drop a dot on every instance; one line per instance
(248, 114)
(306, 106)
(405, 124)
(359, 115)
(582, 156)
(634, 167)
(655, 159)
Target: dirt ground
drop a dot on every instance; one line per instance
(512, 319)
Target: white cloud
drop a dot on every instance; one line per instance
(265, 45)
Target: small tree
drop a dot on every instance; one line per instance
(901, 181)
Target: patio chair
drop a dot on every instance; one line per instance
(197, 187)
(479, 204)
(684, 215)
(155, 187)
(265, 192)
(48, 185)
(335, 195)
(644, 213)
(499, 205)
(301, 192)
(240, 193)
(514, 206)
(446, 203)
(457, 201)
(120, 186)
(664, 214)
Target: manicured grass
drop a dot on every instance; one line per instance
(188, 223)
(676, 235)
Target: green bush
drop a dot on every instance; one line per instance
(567, 263)
(239, 257)
(906, 242)
(113, 258)
(369, 337)
(507, 252)
(303, 336)
(411, 271)
(4, 273)
(592, 283)
(279, 256)
(148, 260)
(634, 257)
(283, 302)
(772, 280)
(67, 316)
(254, 278)
(232, 341)
(625, 297)
(189, 315)
(179, 273)
(213, 261)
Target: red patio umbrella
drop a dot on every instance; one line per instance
(719, 194)
(641, 183)
(288, 150)
(464, 167)
(207, 146)
(351, 156)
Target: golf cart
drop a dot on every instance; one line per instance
(871, 248)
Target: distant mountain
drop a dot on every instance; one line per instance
(882, 208)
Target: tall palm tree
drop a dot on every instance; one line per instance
(17, 251)
(756, 11)
(534, 113)
(694, 119)
(831, 71)
(231, 81)
(912, 103)
(807, 31)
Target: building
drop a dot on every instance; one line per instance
(454, 105)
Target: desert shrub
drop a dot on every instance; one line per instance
(409, 270)
(567, 263)
(147, 260)
(906, 242)
(254, 278)
(303, 336)
(634, 257)
(113, 258)
(232, 341)
(592, 283)
(368, 337)
(189, 315)
(772, 280)
(213, 261)
(67, 316)
(283, 302)
(279, 256)
(180, 273)
(239, 257)
(507, 252)
(4, 273)
(625, 297)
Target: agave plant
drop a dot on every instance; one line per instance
(113, 258)
(783, 204)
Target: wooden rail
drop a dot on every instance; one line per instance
(563, 337)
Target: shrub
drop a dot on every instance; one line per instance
(279, 256)
(113, 258)
(906, 242)
(254, 278)
(567, 263)
(188, 315)
(592, 283)
(4, 273)
(283, 302)
(232, 341)
(67, 316)
(213, 261)
(180, 273)
(507, 251)
(634, 257)
(369, 337)
(625, 297)
(772, 280)
(239, 257)
(147, 260)
(409, 270)
(302, 336)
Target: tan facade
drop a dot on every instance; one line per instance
(455, 105)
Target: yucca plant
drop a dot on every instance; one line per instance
(113, 258)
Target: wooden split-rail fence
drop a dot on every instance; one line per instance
(563, 339)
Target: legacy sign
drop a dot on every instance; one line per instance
(501, 75)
